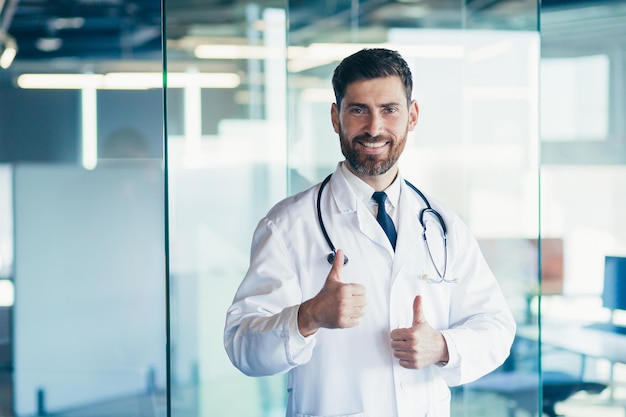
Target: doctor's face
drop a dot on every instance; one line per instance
(373, 121)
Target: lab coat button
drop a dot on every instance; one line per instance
(403, 384)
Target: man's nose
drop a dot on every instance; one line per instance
(375, 125)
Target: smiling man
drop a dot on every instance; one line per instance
(373, 118)
(388, 332)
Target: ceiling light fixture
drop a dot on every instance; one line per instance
(48, 44)
(7, 293)
(317, 54)
(127, 81)
(61, 23)
(8, 50)
(214, 51)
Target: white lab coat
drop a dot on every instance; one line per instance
(352, 372)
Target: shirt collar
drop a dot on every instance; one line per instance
(364, 191)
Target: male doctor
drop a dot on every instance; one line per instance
(385, 334)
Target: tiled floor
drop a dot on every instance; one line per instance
(480, 405)
(148, 405)
(491, 406)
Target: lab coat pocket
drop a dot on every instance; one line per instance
(334, 415)
(440, 403)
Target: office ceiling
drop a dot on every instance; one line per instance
(46, 29)
(131, 29)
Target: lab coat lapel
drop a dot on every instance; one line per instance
(409, 228)
(372, 229)
(346, 202)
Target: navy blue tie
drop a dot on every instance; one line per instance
(384, 219)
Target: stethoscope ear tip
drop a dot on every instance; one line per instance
(331, 258)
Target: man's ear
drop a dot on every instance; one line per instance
(413, 114)
(334, 116)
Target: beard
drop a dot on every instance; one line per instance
(371, 165)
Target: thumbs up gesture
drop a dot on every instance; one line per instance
(420, 345)
(337, 305)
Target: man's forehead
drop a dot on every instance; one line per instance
(381, 90)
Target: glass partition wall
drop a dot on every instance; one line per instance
(82, 276)
(583, 177)
(82, 242)
(227, 164)
(90, 259)
(236, 147)
(121, 247)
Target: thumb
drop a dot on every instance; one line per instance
(335, 270)
(418, 315)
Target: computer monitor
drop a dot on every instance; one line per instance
(614, 292)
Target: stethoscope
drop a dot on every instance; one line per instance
(428, 210)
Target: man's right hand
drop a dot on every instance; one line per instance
(336, 306)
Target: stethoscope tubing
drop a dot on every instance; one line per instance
(333, 253)
(428, 209)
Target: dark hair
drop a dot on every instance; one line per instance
(368, 64)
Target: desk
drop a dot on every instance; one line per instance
(587, 342)
(581, 340)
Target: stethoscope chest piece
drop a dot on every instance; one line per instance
(331, 258)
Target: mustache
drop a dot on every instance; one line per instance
(371, 139)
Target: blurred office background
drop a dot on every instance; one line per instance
(128, 198)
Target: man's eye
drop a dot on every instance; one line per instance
(357, 110)
(391, 110)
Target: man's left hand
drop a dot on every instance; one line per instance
(419, 345)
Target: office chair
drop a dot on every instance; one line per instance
(559, 386)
